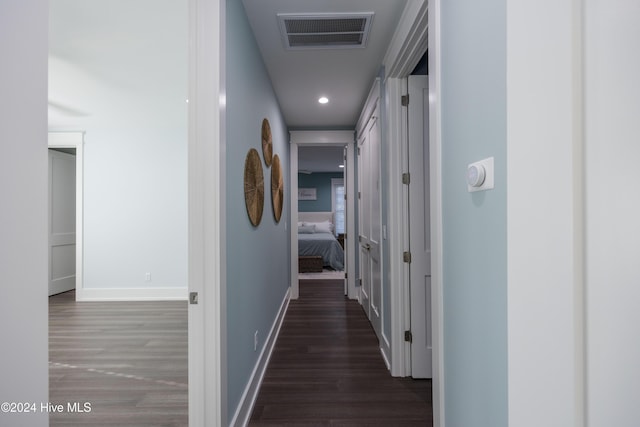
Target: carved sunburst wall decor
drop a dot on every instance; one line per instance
(254, 186)
(277, 188)
(267, 143)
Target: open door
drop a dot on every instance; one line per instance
(419, 228)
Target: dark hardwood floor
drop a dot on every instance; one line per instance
(128, 360)
(327, 370)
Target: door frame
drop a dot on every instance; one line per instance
(206, 214)
(75, 140)
(339, 138)
(417, 31)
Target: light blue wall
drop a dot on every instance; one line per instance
(322, 183)
(258, 258)
(474, 224)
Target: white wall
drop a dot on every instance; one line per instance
(23, 217)
(122, 78)
(573, 213)
(612, 135)
(543, 208)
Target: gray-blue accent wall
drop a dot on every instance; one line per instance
(321, 181)
(258, 258)
(474, 111)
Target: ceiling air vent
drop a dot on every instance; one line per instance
(325, 31)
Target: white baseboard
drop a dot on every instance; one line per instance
(385, 358)
(248, 400)
(132, 294)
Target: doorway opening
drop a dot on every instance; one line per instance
(66, 157)
(321, 218)
(316, 158)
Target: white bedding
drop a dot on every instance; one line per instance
(316, 238)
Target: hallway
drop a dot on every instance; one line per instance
(326, 369)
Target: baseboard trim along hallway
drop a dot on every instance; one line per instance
(248, 400)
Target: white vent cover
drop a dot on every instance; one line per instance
(325, 30)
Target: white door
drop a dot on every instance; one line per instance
(370, 221)
(363, 226)
(62, 222)
(419, 228)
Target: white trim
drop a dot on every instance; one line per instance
(75, 139)
(207, 236)
(350, 240)
(409, 42)
(385, 358)
(134, 294)
(369, 107)
(293, 214)
(435, 163)
(320, 138)
(250, 394)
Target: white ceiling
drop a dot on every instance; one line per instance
(119, 49)
(300, 77)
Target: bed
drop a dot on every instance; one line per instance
(316, 238)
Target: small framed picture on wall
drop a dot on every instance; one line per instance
(307, 194)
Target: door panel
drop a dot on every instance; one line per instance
(370, 233)
(364, 225)
(419, 228)
(62, 222)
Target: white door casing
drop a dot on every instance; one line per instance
(62, 222)
(324, 138)
(74, 140)
(420, 228)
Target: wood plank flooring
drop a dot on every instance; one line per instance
(128, 360)
(327, 370)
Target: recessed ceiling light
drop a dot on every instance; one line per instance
(323, 100)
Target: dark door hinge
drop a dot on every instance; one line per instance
(406, 178)
(408, 336)
(404, 99)
(193, 298)
(406, 256)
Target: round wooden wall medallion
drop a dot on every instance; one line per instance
(267, 143)
(254, 186)
(277, 188)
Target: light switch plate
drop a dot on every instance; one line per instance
(487, 184)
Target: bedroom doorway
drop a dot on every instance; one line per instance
(321, 168)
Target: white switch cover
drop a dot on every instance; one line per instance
(475, 171)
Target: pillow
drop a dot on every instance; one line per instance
(321, 227)
(306, 229)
